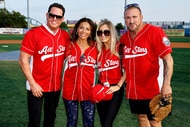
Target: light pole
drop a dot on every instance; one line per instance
(125, 27)
(2, 1)
(125, 3)
(28, 14)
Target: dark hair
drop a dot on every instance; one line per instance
(91, 38)
(57, 5)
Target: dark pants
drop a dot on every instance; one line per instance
(88, 110)
(108, 110)
(50, 100)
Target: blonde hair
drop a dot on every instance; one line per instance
(113, 38)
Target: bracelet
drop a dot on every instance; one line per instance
(118, 86)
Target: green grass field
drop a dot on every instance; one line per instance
(11, 37)
(13, 106)
(11, 47)
(179, 39)
(20, 37)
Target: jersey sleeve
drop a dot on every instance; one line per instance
(161, 43)
(28, 43)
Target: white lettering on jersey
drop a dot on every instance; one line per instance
(72, 61)
(46, 50)
(72, 58)
(136, 52)
(60, 49)
(109, 65)
(90, 59)
(50, 55)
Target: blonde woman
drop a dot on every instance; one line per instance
(109, 67)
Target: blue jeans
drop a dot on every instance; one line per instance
(88, 111)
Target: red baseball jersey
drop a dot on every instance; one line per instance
(142, 57)
(109, 67)
(47, 50)
(79, 73)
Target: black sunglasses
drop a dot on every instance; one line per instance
(82, 57)
(105, 32)
(131, 5)
(58, 17)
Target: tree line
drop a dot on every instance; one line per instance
(17, 20)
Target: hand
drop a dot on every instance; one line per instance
(166, 91)
(36, 90)
(112, 89)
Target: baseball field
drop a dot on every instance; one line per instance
(177, 42)
(13, 103)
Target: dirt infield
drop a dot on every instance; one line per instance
(173, 44)
(180, 45)
(10, 41)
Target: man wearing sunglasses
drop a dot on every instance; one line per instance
(41, 60)
(146, 49)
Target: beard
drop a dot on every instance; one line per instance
(133, 27)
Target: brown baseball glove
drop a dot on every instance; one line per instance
(160, 107)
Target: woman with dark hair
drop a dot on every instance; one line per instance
(79, 73)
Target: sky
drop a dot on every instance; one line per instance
(153, 10)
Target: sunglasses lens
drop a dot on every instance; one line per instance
(53, 16)
(105, 32)
(82, 57)
(99, 33)
(131, 5)
(59, 17)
